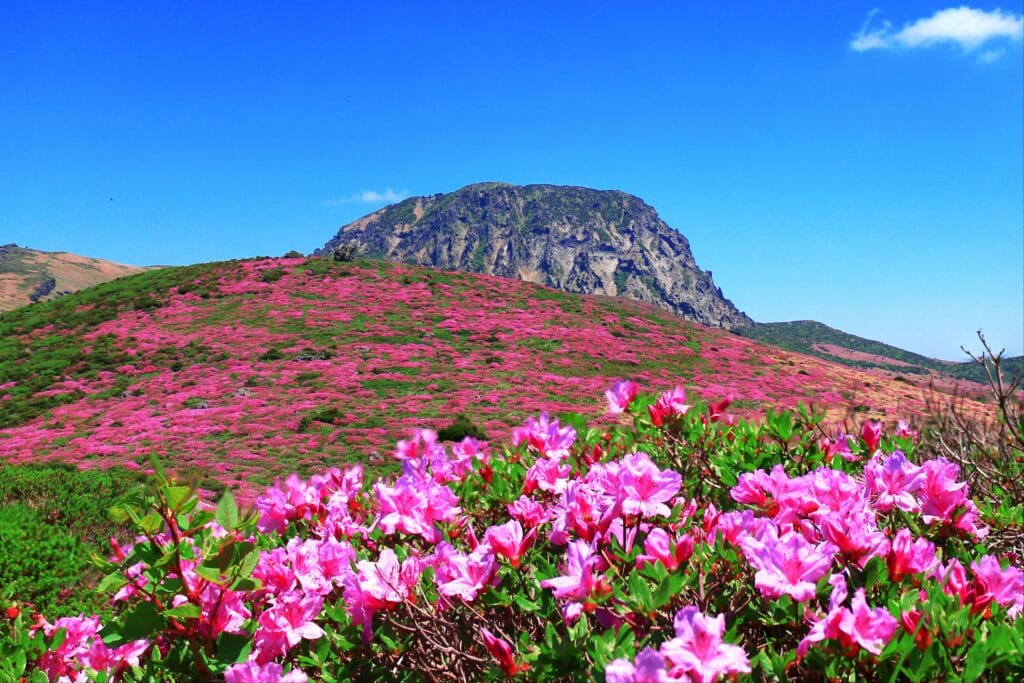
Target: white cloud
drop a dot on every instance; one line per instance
(989, 56)
(388, 196)
(964, 26)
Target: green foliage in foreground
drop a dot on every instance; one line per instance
(53, 518)
(361, 620)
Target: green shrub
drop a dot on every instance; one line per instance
(272, 354)
(272, 275)
(460, 428)
(44, 566)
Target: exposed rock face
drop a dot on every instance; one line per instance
(571, 238)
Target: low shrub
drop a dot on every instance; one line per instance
(680, 544)
(460, 428)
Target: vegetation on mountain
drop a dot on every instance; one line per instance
(233, 377)
(817, 339)
(650, 536)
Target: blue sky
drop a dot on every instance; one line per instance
(860, 164)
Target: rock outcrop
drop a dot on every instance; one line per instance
(570, 238)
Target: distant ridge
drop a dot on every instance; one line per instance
(28, 275)
(817, 339)
(575, 239)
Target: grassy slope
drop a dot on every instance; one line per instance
(237, 372)
(808, 336)
(23, 270)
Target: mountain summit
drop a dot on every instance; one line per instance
(571, 238)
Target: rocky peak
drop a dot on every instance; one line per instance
(571, 238)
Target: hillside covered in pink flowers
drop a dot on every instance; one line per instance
(236, 372)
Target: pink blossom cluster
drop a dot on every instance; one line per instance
(330, 542)
(83, 649)
(403, 327)
(697, 653)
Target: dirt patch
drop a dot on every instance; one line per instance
(850, 354)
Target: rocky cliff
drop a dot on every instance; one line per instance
(571, 238)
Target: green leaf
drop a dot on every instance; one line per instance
(187, 611)
(524, 603)
(246, 584)
(209, 573)
(227, 511)
(111, 583)
(18, 664)
(118, 514)
(247, 557)
(140, 622)
(977, 657)
(58, 638)
(873, 572)
(233, 647)
(176, 495)
(152, 523)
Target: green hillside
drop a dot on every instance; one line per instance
(809, 336)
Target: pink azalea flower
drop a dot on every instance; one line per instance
(648, 668)
(1003, 586)
(305, 561)
(894, 481)
(547, 475)
(953, 578)
(271, 672)
(465, 453)
(669, 405)
(287, 622)
(761, 488)
(660, 547)
(871, 434)
(787, 565)
(528, 511)
(274, 511)
(465, 576)
(274, 571)
(224, 610)
(646, 488)
(840, 446)
(336, 558)
(508, 540)
(586, 509)
(545, 436)
(856, 626)
(908, 556)
(944, 499)
(501, 650)
(404, 507)
(379, 585)
(904, 431)
(620, 396)
(581, 578)
(698, 650)
(855, 533)
(736, 526)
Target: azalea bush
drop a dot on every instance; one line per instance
(678, 544)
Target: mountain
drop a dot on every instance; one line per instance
(818, 339)
(571, 238)
(233, 373)
(27, 275)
